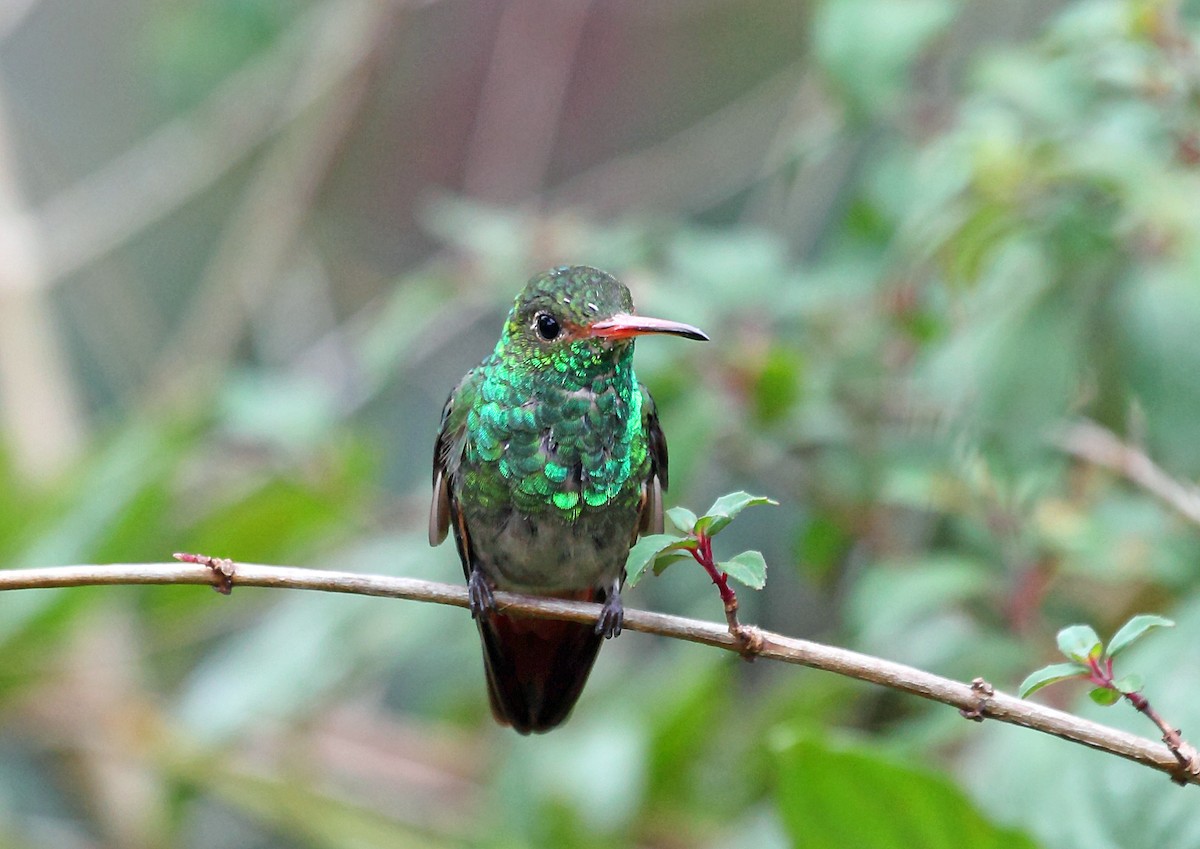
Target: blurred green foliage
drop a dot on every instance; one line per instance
(924, 237)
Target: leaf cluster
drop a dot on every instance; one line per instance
(658, 551)
(1091, 659)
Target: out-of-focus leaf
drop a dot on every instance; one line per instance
(1133, 630)
(193, 46)
(304, 649)
(1049, 675)
(823, 543)
(777, 386)
(1160, 313)
(276, 409)
(894, 604)
(1080, 643)
(312, 817)
(682, 726)
(732, 268)
(820, 791)
(868, 46)
(279, 517)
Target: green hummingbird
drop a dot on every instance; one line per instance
(548, 464)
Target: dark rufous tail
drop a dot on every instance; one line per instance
(536, 668)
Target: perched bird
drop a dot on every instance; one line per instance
(548, 464)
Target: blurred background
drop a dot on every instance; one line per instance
(248, 246)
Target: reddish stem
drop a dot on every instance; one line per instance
(1189, 761)
(702, 553)
(704, 556)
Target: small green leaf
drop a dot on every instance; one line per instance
(1104, 696)
(666, 559)
(830, 795)
(1079, 643)
(1134, 629)
(749, 567)
(1049, 675)
(1129, 684)
(682, 518)
(726, 508)
(646, 550)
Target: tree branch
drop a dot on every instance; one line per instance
(977, 700)
(1099, 446)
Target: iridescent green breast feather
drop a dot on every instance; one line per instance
(547, 443)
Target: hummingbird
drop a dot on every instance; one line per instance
(549, 462)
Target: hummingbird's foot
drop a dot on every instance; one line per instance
(612, 614)
(479, 594)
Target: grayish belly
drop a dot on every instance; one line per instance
(544, 553)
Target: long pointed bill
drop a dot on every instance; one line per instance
(625, 326)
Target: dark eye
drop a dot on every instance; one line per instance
(547, 326)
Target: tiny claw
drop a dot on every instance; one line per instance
(479, 594)
(222, 567)
(612, 616)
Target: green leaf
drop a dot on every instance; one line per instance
(1104, 696)
(832, 797)
(646, 550)
(725, 509)
(1051, 674)
(666, 559)
(1134, 629)
(749, 567)
(1079, 643)
(682, 518)
(1129, 684)
(867, 47)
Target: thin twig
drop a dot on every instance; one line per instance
(1184, 752)
(750, 637)
(260, 239)
(187, 155)
(40, 409)
(1101, 675)
(1099, 446)
(736, 134)
(980, 703)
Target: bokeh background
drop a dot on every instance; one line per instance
(248, 246)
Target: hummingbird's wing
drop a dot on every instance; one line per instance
(447, 455)
(651, 510)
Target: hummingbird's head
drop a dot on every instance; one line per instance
(577, 319)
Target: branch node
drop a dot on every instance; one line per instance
(983, 691)
(222, 568)
(750, 638)
(1188, 757)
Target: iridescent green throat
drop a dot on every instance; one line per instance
(558, 430)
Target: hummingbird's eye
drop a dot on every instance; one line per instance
(547, 326)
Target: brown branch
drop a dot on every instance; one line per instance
(1184, 752)
(977, 701)
(1099, 446)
